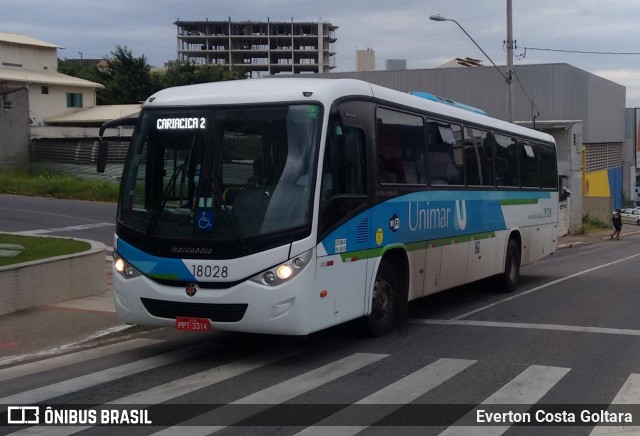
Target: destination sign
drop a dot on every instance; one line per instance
(186, 123)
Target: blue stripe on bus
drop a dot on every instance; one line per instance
(153, 266)
(424, 216)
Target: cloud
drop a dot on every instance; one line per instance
(399, 29)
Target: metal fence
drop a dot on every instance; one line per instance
(77, 157)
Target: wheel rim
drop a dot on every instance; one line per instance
(512, 269)
(382, 300)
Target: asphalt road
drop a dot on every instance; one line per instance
(567, 341)
(55, 217)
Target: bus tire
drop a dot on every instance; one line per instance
(384, 305)
(508, 281)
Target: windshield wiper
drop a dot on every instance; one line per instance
(230, 219)
(156, 214)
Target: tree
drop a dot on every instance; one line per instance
(127, 79)
(184, 73)
(75, 69)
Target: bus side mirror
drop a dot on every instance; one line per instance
(564, 192)
(103, 151)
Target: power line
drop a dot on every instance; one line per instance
(581, 51)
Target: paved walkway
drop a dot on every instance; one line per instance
(569, 241)
(53, 329)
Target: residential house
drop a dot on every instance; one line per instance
(33, 63)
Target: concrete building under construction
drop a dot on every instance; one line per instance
(259, 47)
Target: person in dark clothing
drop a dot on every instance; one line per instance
(617, 224)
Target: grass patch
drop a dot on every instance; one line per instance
(592, 224)
(57, 185)
(36, 247)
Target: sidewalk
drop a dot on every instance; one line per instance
(53, 329)
(569, 241)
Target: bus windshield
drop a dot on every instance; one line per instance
(228, 175)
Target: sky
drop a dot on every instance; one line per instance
(398, 29)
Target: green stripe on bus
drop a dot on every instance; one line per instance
(353, 256)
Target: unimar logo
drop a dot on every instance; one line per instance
(427, 216)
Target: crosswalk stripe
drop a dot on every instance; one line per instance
(277, 394)
(629, 394)
(75, 384)
(525, 389)
(63, 229)
(176, 388)
(68, 359)
(402, 392)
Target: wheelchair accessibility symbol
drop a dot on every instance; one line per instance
(205, 219)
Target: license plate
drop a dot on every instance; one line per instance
(193, 324)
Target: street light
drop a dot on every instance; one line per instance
(507, 79)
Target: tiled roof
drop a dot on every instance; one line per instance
(97, 114)
(43, 77)
(16, 38)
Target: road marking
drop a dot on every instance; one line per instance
(526, 389)
(531, 326)
(629, 394)
(277, 394)
(63, 229)
(174, 389)
(90, 380)
(546, 285)
(68, 359)
(391, 398)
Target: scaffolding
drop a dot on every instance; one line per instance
(259, 47)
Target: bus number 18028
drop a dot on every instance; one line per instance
(209, 271)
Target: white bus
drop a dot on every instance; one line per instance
(286, 206)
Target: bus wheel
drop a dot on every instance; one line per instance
(384, 307)
(507, 281)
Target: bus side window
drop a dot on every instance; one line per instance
(400, 147)
(528, 165)
(479, 157)
(344, 186)
(506, 161)
(443, 169)
(547, 166)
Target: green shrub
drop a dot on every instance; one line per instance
(593, 224)
(58, 185)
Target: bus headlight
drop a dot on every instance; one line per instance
(125, 269)
(283, 272)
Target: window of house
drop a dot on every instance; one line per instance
(44, 89)
(7, 105)
(74, 99)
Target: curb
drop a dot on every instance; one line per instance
(53, 280)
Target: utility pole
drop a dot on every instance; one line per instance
(509, 63)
